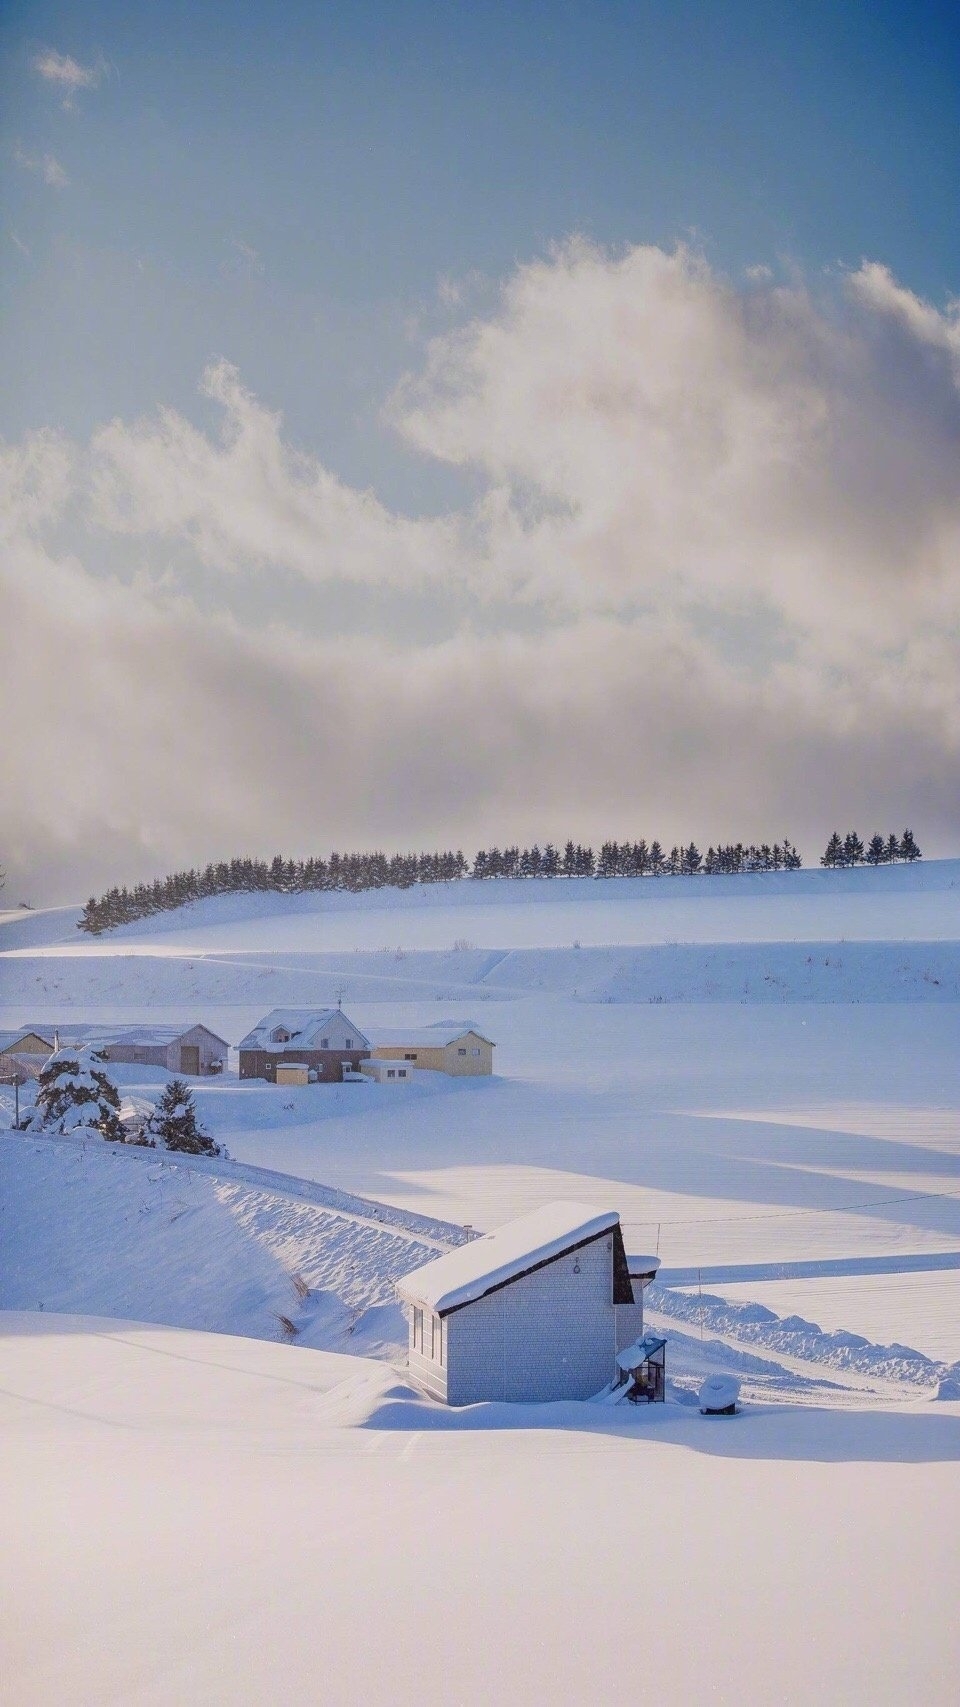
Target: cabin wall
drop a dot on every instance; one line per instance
(550, 1335)
(425, 1370)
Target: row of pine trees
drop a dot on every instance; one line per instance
(359, 871)
(880, 850)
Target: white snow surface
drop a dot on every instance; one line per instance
(760, 1074)
(469, 1272)
(189, 1517)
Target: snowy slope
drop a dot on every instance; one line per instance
(192, 1518)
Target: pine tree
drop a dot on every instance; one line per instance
(876, 850)
(75, 1095)
(173, 1124)
(852, 849)
(908, 847)
(833, 854)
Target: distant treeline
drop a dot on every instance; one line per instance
(880, 850)
(360, 871)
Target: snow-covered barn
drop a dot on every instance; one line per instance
(323, 1040)
(190, 1049)
(535, 1311)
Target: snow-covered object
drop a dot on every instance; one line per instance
(472, 1270)
(632, 1356)
(718, 1393)
(302, 1028)
(434, 1036)
(75, 1094)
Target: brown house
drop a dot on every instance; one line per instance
(322, 1040)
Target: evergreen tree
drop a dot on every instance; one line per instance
(75, 1095)
(173, 1124)
(852, 849)
(908, 847)
(893, 849)
(833, 854)
(876, 851)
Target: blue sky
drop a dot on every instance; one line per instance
(405, 410)
(366, 150)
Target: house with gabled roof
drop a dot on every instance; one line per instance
(536, 1311)
(192, 1049)
(323, 1040)
(456, 1047)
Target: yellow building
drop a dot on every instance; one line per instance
(445, 1047)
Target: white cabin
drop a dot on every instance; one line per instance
(535, 1311)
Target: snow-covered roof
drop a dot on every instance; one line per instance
(632, 1356)
(642, 1268)
(483, 1265)
(306, 1028)
(435, 1036)
(106, 1031)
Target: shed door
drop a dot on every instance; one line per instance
(190, 1058)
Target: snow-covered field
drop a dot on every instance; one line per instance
(761, 1073)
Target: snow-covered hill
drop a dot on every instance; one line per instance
(761, 1074)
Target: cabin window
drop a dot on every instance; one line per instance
(418, 1330)
(324, 1042)
(349, 1043)
(409, 1057)
(461, 1052)
(401, 1072)
(436, 1349)
(391, 1073)
(474, 1051)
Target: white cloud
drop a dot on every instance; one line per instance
(47, 165)
(251, 499)
(709, 587)
(67, 74)
(876, 286)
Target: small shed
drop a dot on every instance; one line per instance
(533, 1312)
(293, 1073)
(455, 1047)
(387, 1071)
(641, 1370)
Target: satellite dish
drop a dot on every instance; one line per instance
(718, 1395)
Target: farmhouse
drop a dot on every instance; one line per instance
(537, 1310)
(321, 1040)
(190, 1049)
(446, 1046)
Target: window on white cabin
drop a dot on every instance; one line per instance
(324, 1042)
(349, 1043)
(436, 1340)
(418, 1330)
(390, 1073)
(401, 1072)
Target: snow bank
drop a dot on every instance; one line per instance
(792, 1336)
